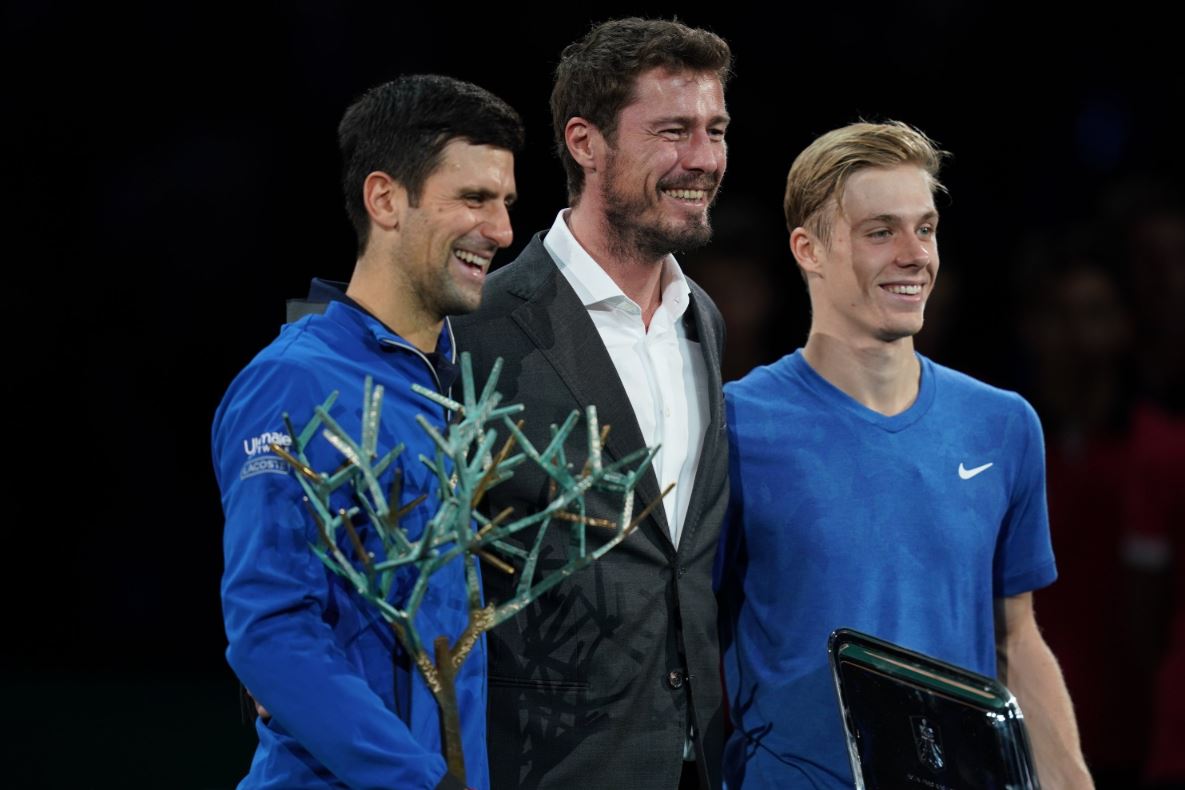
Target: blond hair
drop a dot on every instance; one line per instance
(819, 174)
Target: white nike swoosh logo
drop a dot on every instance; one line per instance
(967, 474)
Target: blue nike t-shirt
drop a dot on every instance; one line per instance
(905, 527)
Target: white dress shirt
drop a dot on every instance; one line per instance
(662, 371)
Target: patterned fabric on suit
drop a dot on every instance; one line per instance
(596, 683)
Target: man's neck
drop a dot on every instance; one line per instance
(378, 289)
(882, 376)
(639, 276)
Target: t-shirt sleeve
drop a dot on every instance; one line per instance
(1024, 555)
(276, 597)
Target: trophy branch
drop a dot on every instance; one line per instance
(466, 466)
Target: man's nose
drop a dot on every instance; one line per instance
(705, 153)
(497, 226)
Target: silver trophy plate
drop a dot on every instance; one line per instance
(914, 721)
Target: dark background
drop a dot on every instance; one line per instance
(172, 178)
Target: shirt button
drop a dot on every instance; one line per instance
(675, 679)
(667, 411)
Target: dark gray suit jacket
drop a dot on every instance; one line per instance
(595, 684)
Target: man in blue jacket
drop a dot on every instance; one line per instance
(428, 175)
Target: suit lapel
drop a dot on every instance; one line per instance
(558, 325)
(713, 453)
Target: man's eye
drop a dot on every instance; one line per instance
(883, 233)
(926, 230)
(671, 134)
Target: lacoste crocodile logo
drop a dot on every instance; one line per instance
(967, 474)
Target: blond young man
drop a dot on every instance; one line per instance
(874, 489)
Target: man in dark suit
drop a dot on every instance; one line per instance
(612, 679)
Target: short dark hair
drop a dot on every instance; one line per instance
(596, 75)
(402, 127)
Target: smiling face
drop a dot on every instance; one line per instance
(664, 162)
(446, 243)
(872, 279)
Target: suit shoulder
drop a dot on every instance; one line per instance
(701, 296)
(497, 299)
(509, 286)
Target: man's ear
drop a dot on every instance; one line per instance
(807, 248)
(585, 143)
(385, 200)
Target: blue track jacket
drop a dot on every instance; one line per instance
(348, 708)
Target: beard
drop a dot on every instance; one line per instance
(636, 223)
(437, 290)
(454, 299)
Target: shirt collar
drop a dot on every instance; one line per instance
(443, 360)
(594, 287)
